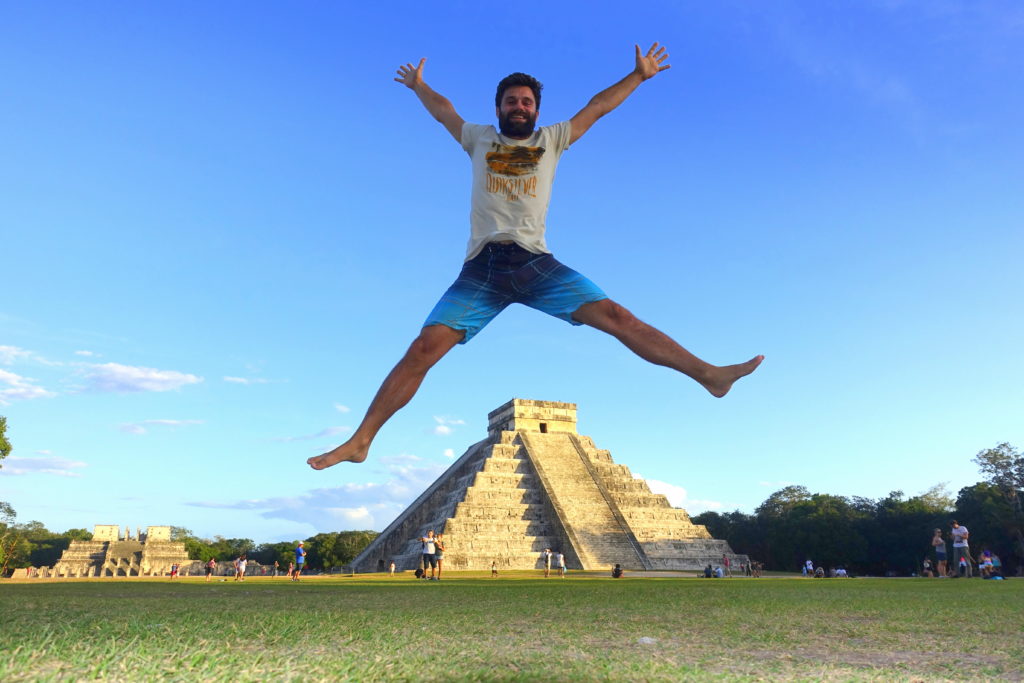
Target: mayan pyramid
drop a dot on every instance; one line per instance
(535, 483)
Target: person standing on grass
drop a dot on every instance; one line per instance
(939, 546)
(300, 560)
(961, 546)
(391, 568)
(211, 564)
(439, 553)
(427, 554)
(560, 561)
(546, 557)
(507, 260)
(494, 569)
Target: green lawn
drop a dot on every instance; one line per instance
(517, 627)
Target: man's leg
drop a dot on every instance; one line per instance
(656, 347)
(397, 390)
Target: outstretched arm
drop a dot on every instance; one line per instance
(439, 106)
(648, 65)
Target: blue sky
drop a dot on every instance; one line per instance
(221, 225)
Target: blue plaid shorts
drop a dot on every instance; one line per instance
(504, 274)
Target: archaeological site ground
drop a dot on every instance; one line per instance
(518, 627)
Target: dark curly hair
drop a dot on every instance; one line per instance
(515, 79)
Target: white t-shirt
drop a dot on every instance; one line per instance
(512, 184)
(428, 546)
(960, 536)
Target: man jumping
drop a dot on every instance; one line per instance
(507, 260)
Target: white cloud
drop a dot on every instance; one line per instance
(449, 452)
(323, 433)
(679, 498)
(676, 494)
(61, 467)
(369, 505)
(246, 380)
(695, 507)
(444, 425)
(342, 409)
(44, 452)
(9, 354)
(140, 427)
(20, 388)
(12, 354)
(114, 377)
(87, 354)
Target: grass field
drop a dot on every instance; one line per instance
(514, 628)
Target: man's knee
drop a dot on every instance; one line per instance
(432, 343)
(605, 315)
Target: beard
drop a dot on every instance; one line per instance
(517, 129)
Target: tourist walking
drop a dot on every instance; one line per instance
(240, 567)
(300, 560)
(546, 558)
(507, 260)
(211, 564)
(560, 561)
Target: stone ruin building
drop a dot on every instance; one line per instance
(535, 483)
(110, 553)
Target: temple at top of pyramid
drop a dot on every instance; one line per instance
(535, 483)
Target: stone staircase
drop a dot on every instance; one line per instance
(668, 538)
(597, 532)
(535, 483)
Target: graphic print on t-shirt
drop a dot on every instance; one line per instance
(506, 167)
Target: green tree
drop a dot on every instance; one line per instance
(5, 445)
(1003, 467)
(986, 513)
(9, 537)
(78, 534)
(267, 553)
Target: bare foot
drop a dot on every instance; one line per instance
(721, 379)
(346, 452)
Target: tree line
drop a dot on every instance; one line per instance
(891, 535)
(324, 551)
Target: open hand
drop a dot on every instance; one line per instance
(410, 76)
(648, 64)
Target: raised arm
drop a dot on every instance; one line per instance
(438, 105)
(647, 66)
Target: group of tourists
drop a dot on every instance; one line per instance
(960, 563)
(432, 556)
(557, 557)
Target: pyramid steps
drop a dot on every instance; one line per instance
(535, 483)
